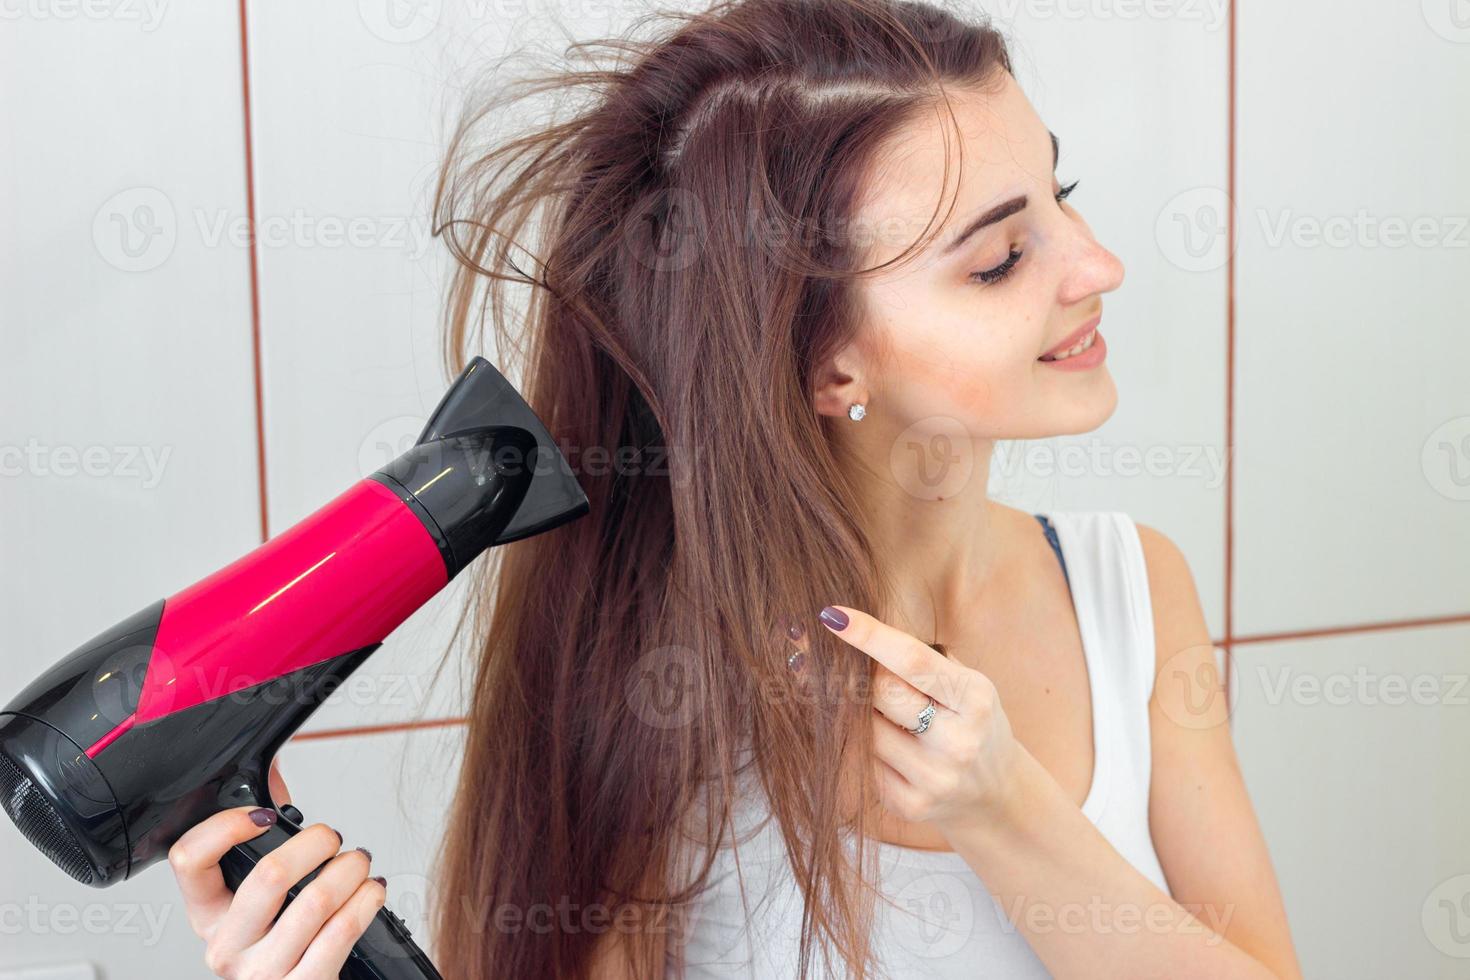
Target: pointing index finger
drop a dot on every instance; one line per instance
(906, 656)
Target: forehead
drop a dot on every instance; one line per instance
(1006, 149)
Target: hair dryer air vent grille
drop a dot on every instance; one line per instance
(41, 825)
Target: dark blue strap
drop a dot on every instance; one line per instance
(1056, 545)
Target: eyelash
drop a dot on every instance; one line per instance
(991, 276)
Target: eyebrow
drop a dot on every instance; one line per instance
(1001, 211)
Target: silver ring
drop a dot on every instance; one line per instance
(925, 717)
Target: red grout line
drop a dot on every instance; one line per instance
(402, 726)
(1395, 624)
(1229, 639)
(254, 274)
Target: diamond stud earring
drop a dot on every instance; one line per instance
(856, 411)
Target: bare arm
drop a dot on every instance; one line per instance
(1204, 827)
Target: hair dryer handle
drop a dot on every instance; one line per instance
(386, 951)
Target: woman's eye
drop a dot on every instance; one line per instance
(1004, 269)
(999, 272)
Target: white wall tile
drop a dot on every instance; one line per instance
(1352, 747)
(125, 410)
(126, 339)
(1354, 407)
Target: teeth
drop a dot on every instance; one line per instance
(1076, 348)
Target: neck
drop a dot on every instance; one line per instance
(934, 529)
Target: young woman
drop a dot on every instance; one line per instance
(796, 698)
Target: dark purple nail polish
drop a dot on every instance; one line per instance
(833, 617)
(365, 851)
(796, 660)
(262, 816)
(334, 830)
(795, 631)
(381, 880)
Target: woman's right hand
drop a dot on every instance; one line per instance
(314, 936)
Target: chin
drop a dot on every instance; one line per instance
(1083, 411)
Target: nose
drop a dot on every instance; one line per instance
(1091, 269)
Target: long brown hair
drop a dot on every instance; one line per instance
(681, 242)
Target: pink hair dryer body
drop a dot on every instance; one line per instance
(176, 712)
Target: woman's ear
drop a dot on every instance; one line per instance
(837, 385)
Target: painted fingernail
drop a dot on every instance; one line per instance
(381, 880)
(366, 851)
(262, 816)
(833, 617)
(334, 830)
(794, 629)
(796, 660)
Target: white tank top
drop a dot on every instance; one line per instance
(941, 923)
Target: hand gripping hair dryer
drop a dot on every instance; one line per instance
(176, 712)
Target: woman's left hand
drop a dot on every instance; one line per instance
(961, 767)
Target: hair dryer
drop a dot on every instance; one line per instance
(176, 712)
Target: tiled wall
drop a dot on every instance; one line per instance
(167, 397)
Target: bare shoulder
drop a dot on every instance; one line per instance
(1179, 619)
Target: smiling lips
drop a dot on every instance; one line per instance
(1074, 343)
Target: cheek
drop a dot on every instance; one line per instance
(954, 355)
(964, 371)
